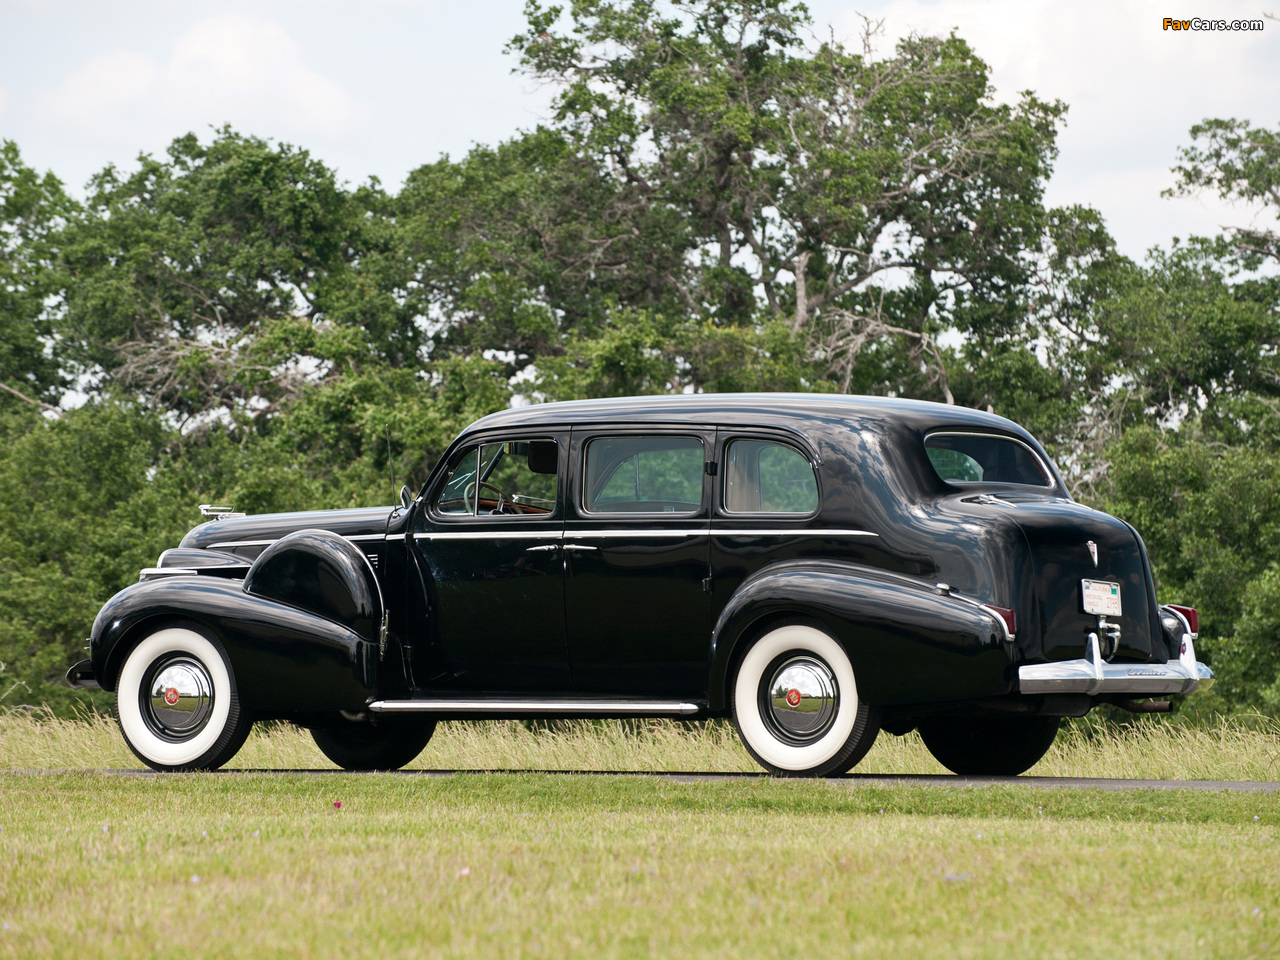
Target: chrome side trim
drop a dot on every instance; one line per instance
(798, 532)
(530, 705)
(581, 534)
(491, 535)
(267, 543)
(585, 534)
(151, 573)
(638, 532)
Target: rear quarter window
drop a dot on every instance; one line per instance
(985, 458)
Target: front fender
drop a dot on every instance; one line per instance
(908, 642)
(284, 658)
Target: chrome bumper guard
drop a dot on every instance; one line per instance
(1093, 676)
(81, 675)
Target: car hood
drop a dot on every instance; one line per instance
(247, 536)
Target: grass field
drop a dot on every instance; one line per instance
(1150, 748)
(261, 864)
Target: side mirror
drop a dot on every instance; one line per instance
(406, 497)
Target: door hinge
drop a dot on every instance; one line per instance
(711, 468)
(706, 585)
(382, 634)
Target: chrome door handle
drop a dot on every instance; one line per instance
(579, 548)
(549, 548)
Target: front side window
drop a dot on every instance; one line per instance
(762, 476)
(984, 458)
(644, 475)
(514, 477)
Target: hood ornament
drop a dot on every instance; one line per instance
(1093, 551)
(218, 510)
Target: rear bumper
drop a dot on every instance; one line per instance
(1094, 677)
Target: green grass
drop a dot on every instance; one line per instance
(1151, 748)
(260, 864)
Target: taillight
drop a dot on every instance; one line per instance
(1009, 617)
(1189, 614)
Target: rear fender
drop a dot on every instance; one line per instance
(908, 641)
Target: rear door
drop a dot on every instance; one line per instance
(637, 561)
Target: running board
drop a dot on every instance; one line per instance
(572, 707)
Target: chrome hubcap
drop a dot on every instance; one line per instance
(179, 698)
(802, 698)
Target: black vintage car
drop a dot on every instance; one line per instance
(818, 568)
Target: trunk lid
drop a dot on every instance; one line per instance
(1060, 534)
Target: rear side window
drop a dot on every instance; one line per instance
(985, 458)
(644, 475)
(766, 477)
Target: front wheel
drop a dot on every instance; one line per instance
(796, 704)
(176, 701)
(386, 742)
(989, 746)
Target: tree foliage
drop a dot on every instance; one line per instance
(32, 207)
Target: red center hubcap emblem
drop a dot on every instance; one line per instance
(793, 698)
(171, 696)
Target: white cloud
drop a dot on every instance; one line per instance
(237, 69)
(1132, 88)
(95, 95)
(4, 100)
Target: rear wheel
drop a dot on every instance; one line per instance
(989, 746)
(176, 701)
(796, 704)
(381, 743)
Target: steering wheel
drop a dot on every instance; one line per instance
(470, 491)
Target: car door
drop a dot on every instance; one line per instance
(637, 557)
(766, 509)
(489, 540)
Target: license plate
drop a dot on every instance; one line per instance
(1101, 598)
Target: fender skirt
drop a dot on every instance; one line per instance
(301, 629)
(908, 642)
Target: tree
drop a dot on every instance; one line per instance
(32, 207)
(869, 203)
(229, 276)
(1238, 161)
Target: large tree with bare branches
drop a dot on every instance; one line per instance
(867, 202)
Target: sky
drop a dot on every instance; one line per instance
(379, 87)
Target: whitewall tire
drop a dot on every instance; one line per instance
(176, 701)
(795, 702)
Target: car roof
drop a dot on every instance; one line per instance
(751, 409)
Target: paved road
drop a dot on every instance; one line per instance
(854, 781)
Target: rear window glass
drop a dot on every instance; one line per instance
(983, 458)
